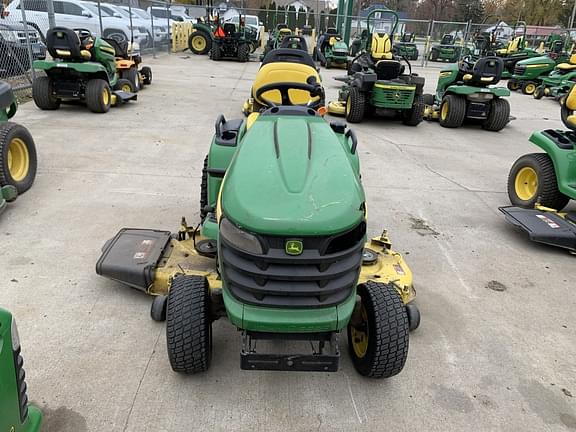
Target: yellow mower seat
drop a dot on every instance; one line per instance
(381, 47)
(570, 105)
(568, 66)
(512, 46)
(285, 72)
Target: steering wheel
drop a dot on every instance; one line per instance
(312, 87)
(468, 61)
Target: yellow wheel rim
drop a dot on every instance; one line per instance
(530, 88)
(444, 111)
(360, 336)
(348, 105)
(18, 159)
(198, 43)
(526, 183)
(105, 96)
(126, 88)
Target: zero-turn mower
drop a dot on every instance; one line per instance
(447, 50)
(406, 47)
(281, 251)
(540, 185)
(230, 42)
(83, 68)
(378, 83)
(16, 415)
(17, 151)
(466, 91)
(331, 50)
(516, 50)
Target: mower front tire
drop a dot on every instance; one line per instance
(98, 96)
(199, 42)
(513, 85)
(538, 93)
(378, 338)
(355, 105)
(18, 160)
(415, 115)
(146, 72)
(125, 85)
(452, 111)
(532, 180)
(42, 94)
(529, 87)
(188, 325)
(132, 76)
(499, 115)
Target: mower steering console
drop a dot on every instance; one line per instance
(311, 86)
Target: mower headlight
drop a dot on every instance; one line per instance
(239, 238)
(15, 336)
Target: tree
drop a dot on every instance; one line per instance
(469, 10)
(281, 15)
(322, 25)
(332, 17)
(311, 18)
(301, 20)
(291, 17)
(263, 16)
(442, 10)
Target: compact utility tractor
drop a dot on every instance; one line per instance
(128, 60)
(406, 47)
(83, 68)
(16, 415)
(466, 91)
(17, 151)
(331, 50)
(559, 82)
(540, 185)
(281, 251)
(378, 82)
(230, 42)
(201, 39)
(290, 66)
(448, 50)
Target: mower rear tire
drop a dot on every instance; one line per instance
(204, 189)
(378, 342)
(98, 96)
(532, 180)
(529, 87)
(452, 111)
(499, 115)
(18, 161)
(42, 94)
(124, 85)
(244, 52)
(199, 42)
(189, 325)
(538, 93)
(415, 115)
(146, 72)
(355, 105)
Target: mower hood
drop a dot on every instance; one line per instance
(293, 175)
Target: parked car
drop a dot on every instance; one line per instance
(14, 56)
(160, 28)
(251, 21)
(162, 13)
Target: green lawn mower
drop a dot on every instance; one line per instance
(17, 151)
(83, 69)
(281, 251)
(276, 38)
(230, 42)
(559, 82)
(529, 73)
(446, 51)
(16, 415)
(378, 83)
(540, 185)
(331, 50)
(406, 47)
(466, 91)
(516, 50)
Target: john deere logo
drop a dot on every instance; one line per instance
(397, 95)
(294, 247)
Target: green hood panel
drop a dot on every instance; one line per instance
(293, 175)
(84, 67)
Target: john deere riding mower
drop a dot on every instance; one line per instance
(230, 42)
(128, 60)
(290, 66)
(447, 50)
(331, 50)
(16, 415)
(540, 185)
(17, 152)
(516, 50)
(406, 47)
(276, 38)
(281, 251)
(559, 82)
(466, 91)
(83, 68)
(379, 83)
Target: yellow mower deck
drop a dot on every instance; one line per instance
(337, 108)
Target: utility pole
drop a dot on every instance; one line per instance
(571, 25)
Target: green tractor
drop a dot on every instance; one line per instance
(17, 151)
(331, 50)
(540, 185)
(466, 91)
(82, 68)
(201, 39)
(378, 83)
(230, 42)
(281, 251)
(447, 51)
(559, 82)
(16, 415)
(406, 47)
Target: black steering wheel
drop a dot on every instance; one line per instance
(468, 61)
(311, 86)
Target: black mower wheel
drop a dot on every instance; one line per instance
(452, 111)
(244, 52)
(378, 341)
(433, 55)
(199, 42)
(146, 72)
(132, 76)
(499, 115)
(98, 96)
(513, 85)
(428, 99)
(204, 189)
(158, 308)
(538, 93)
(529, 87)
(188, 325)
(42, 94)
(355, 105)
(215, 53)
(18, 161)
(532, 180)
(415, 115)
(125, 85)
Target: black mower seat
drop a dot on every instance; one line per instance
(229, 29)
(388, 69)
(289, 55)
(486, 71)
(64, 43)
(120, 48)
(294, 42)
(6, 95)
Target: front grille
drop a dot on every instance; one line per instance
(21, 385)
(519, 70)
(395, 99)
(325, 274)
(32, 35)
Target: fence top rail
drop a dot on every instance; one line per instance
(450, 22)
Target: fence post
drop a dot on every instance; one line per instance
(100, 20)
(51, 18)
(28, 46)
(153, 44)
(170, 35)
